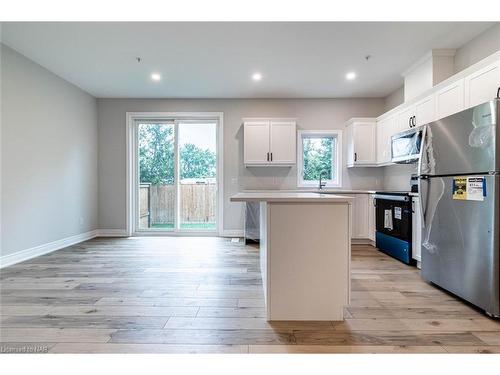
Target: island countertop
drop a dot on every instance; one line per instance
(269, 196)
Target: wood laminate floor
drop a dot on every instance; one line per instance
(204, 295)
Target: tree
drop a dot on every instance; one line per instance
(156, 156)
(156, 153)
(317, 155)
(197, 163)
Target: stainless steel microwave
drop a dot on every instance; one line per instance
(405, 146)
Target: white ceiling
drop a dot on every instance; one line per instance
(216, 60)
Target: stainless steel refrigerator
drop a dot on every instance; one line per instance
(459, 177)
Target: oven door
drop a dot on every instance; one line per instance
(405, 146)
(393, 216)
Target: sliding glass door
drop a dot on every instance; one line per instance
(157, 187)
(177, 176)
(197, 175)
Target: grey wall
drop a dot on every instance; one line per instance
(395, 98)
(397, 177)
(311, 114)
(478, 48)
(49, 156)
(470, 53)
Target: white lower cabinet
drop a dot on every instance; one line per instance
(416, 230)
(371, 217)
(360, 216)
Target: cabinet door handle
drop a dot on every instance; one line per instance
(355, 156)
(498, 93)
(414, 121)
(409, 121)
(268, 156)
(271, 156)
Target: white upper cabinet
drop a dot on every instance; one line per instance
(385, 129)
(256, 142)
(405, 119)
(283, 140)
(420, 113)
(425, 111)
(482, 85)
(361, 142)
(450, 99)
(269, 142)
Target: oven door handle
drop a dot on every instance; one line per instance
(399, 198)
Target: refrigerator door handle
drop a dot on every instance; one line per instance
(423, 198)
(422, 177)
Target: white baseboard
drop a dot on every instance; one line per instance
(232, 233)
(23, 255)
(112, 233)
(362, 241)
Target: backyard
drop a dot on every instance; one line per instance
(196, 189)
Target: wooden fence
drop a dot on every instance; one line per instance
(198, 203)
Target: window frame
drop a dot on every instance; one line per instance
(336, 154)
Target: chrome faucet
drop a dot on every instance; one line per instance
(321, 183)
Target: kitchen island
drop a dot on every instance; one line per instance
(305, 247)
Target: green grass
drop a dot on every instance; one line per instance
(201, 226)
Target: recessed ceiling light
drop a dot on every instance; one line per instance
(156, 76)
(257, 76)
(350, 76)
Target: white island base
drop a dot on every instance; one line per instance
(304, 254)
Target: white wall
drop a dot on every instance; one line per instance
(311, 113)
(48, 156)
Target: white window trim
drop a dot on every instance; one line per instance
(338, 155)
